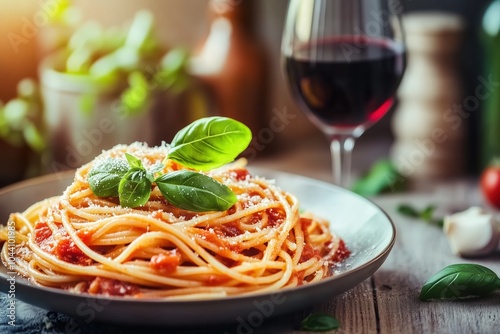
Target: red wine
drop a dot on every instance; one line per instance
(346, 83)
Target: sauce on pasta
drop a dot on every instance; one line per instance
(86, 244)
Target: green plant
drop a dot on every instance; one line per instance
(134, 55)
(20, 118)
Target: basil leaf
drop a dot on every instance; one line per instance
(195, 192)
(209, 143)
(382, 177)
(407, 210)
(156, 168)
(134, 189)
(459, 281)
(134, 162)
(319, 323)
(105, 175)
(426, 214)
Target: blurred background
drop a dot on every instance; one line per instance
(116, 71)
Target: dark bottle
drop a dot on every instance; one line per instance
(232, 63)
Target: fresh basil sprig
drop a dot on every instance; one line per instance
(205, 144)
(460, 281)
(105, 175)
(135, 188)
(195, 192)
(318, 322)
(209, 143)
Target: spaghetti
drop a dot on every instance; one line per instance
(87, 244)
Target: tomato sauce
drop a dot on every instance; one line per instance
(216, 280)
(240, 174)
(276, 217)
(42, 232)
(308, 253)
(62, 246)
(342, 252)
(228, 230)
(166, 262)
(112, 287)
(305, 223)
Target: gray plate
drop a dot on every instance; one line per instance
(366, 229)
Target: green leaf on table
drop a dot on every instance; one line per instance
(105, 175)
(319, 322)
(460, 281)
(194, 191)
(382, 177)
(408, 211)
(209, 143)
(427, 214)
(134, 188)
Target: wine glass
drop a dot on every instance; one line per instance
(344, 60)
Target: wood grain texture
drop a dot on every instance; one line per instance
(420, 251)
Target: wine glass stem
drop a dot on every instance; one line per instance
(341, 148)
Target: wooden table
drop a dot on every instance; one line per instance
(387, 302)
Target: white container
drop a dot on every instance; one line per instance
(83, 117)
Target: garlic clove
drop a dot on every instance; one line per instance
(473, 232)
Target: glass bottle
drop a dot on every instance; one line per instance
(232, 64)
(491, 76)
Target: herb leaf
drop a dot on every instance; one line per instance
(105, 175)
(319, 323)
(195, 192)
(425, 214)
(134, 162)
(409, 211)
(134, 188)
(381, 178)
(459, 281)
(209, 143)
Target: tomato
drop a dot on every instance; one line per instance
(490, 185)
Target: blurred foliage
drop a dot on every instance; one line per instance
(383, 177)
(21, 116)
(130, 58)
(133, 55)
(426, 214)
